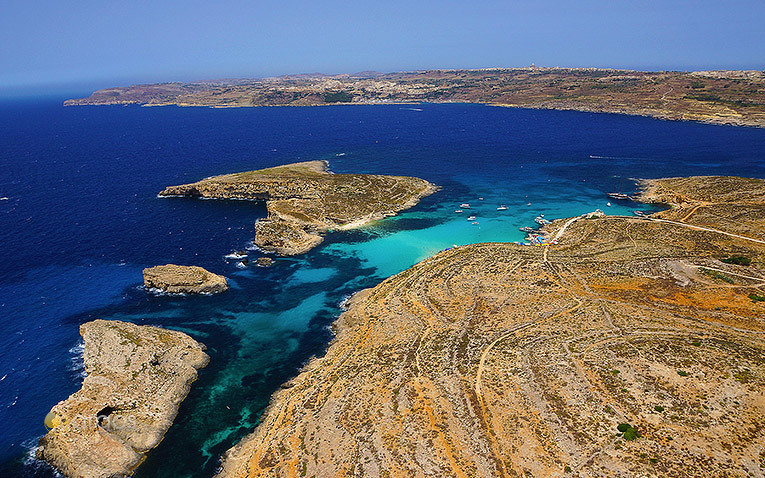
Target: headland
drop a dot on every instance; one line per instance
(635, 346)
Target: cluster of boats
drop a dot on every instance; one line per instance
(472, 217)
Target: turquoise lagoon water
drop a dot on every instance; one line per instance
(82, 219)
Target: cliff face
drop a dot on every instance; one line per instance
(721, 97)
(176, 279)
(304, 200)
(628, 349)
(137, 377)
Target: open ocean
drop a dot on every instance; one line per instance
(82, 219)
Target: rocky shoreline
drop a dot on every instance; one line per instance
(305, 200)
(137, 376)
(715, 97)
(632, 347)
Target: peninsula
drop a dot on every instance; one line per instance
(633, 347)
(305, 200)
(137, 376)
(720, 97)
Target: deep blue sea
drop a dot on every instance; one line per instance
(80, 219)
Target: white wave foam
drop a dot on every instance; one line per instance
(31, 462)
(235, 256)
(159, 292)
(77, 362)
(343, 304)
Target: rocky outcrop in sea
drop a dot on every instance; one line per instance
(175, 279)
(137, 376)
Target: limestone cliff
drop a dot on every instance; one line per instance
(304, 200)
(137, 377)
(634, 347)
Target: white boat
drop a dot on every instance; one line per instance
(608, 204)
(541, 220)
(465, 206)
(458, 210)
(475, 222)
(502, 207)
(622, 196)
(471, 218)
(480, 199)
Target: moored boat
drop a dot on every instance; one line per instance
(620, 196)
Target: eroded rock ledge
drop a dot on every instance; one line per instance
(497, 360)
(137, 377)
(176, 279)
(304, 200)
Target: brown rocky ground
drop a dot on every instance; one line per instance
(304, 200)
(498, 360)
(721, 97)
(176, 279)
(137, 377)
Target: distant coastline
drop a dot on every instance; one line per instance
(731, 97)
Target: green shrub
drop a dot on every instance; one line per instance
(658, 408)
(337, 97)
(756, 298)
(682, 373)
(629, 432)
(738, 260)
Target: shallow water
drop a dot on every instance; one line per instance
(82, 220)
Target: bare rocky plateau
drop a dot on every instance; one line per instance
(498, 360)
(718, 97)
(137, 376)
(305, 200)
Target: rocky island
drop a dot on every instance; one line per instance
(175, 279)
(633, 347)
(136, 378)
(719, 97)
(305, 200)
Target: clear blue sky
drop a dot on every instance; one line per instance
(100, 43)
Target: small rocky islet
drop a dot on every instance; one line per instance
(137, 376)
(175, 279)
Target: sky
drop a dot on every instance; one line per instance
(49, 44)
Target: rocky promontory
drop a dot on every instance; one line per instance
(136, 378)
(175, 279)
(635, 346)
(305, 200)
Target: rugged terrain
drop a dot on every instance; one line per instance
(634, 347)
(304, 200)
(722, 97)
(137, 377)
(176, 279)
